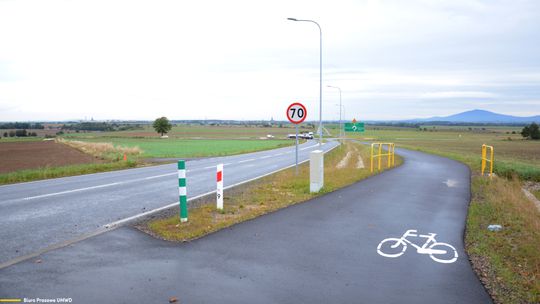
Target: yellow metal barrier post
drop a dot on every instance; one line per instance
(372, 145)
(485, 159)
(390, 160)
(379, 156)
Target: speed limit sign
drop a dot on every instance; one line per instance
(296, 113)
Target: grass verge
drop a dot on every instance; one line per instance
(507, 261)
(106, 151)
(55, 172)
(265, 195)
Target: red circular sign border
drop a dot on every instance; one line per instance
(296, 104)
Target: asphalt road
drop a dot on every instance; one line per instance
(321, 251)
(37, 216)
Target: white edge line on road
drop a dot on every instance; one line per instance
(128, 169)
(138, 179)
(122, 221)
(117, 224)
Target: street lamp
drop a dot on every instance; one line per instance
(320, 75)
(340, 127)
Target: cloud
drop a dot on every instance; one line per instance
(243, 60)
(458, 94)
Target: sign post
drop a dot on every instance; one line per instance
(219, 192)
(296, 114)
(182, 191)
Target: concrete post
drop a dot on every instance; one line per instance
(316, 170)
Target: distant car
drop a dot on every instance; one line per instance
(306, 136)
(270, 136)
(302, 136)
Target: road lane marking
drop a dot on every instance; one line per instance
(450, 183)
(130, 181)
(114, 225)
(158, 176)
(308, 147)
(247, 160)
(71, 191)
(267, 156)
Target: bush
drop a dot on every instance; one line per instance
(21, 133)
(11, 133)
(531, 131)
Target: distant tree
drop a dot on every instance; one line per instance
(526, 132)
(531, 131)
(11, 133)
(162, 125)
(5, 134)
(535, 131)
(21, 133)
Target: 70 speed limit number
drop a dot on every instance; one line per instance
(296, 113)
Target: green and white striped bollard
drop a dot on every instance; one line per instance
(182, 190)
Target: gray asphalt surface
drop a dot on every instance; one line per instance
(37, 215)
(321, 251)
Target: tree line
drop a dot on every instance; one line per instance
(21, 125)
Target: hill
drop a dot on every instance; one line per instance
(481, 116)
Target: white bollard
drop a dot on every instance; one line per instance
(219, 192)
(316, 170)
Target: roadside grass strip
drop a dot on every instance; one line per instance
(259, 197)
(56, 172)
(507, 261)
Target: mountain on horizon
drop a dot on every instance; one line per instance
(481, 116)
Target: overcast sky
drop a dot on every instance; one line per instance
(393, 59)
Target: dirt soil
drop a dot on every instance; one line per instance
(32, 155)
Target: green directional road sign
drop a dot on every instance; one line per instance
(354, 127)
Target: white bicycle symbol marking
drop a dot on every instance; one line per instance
(395, 247)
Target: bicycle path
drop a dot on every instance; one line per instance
(321, 251)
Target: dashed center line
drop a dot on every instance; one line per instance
(246, 160)
(158, 176)
(71, 191)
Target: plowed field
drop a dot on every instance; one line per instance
(32, 155)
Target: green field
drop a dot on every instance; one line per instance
(19, 139)
(168, 148)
